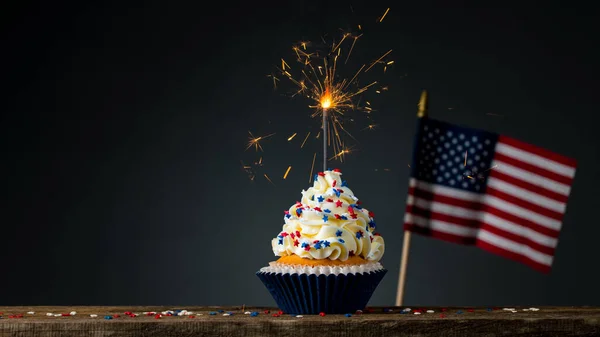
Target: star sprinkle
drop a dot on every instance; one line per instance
(359, 234)
(344, 184)
(337, 170)
(280, 241)
(337, 216)
(298, 211)
(329, 200)
(372, 224)
(341, 240)
(351, 253)
(334, 183)
(337, 192)
(326, 243)
(344, 217)
(338, 233)
(325, 218)
(371, 214)
(307, 248)
(338, 203)
(298, 234)
(304, 245)
(296, 243)
(326, 211)
(317, 245)
(320, 198)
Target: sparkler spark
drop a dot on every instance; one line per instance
(292, 136)
(269, 179)
(287, 172)
(305, 138)
(384, 14)
(312, 168)
(255, 141)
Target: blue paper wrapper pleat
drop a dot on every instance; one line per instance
(309, 294)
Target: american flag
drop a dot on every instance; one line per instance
(479, 188)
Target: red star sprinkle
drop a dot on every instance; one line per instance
(340, 190)
(337, 170)
(157, 316)
(321, 174)
(337, 216)
(275, 315)
(350, 210)
(376, 234)
(351, 253)
(354, 216)
(280, 312)
(298, 234)
(64, 315)
(338, 203)
(358, 202)
(307, 248)
(117, 315)
(292, 235)
(318, 209)
(334, 183)
(266, 311)
(322, 314)
(371, 239)
(284, 234)
(298, 204)
(329, 200)
(296, 243)
(371, 214)
(316, 241)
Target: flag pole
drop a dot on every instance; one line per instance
(421, 113)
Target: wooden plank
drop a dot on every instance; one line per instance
(547, 321)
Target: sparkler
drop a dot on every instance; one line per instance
(320, 80)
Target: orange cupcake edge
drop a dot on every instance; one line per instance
(297, 260)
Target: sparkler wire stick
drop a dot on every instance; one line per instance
(324, 140)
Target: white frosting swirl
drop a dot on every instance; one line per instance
(329, 222)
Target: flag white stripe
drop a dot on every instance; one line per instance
(511, 227)
(521, 212)
(440, 226)
(534, 159)
(531, 178)
(492, 201)
(445, 191)
(514, 247)
(438, 207)
(485, 217)
(526, 195)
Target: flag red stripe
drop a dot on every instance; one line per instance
(429, 196)
(528, 186)
(513, 256)
(523, 222)
(439, 235)
(531, 168)
(524, 204)
(538, 150)
(428, 214)
(519, 239)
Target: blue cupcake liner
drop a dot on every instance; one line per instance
(309, 294)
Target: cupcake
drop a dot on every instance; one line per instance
(328, 252)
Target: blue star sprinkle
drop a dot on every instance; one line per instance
(304, 244)
(337, 193)
(316, 177)
(254, 314)
(341, 240)
(344, 184)
(343, 217)
(338, 233)
(359, 234)
(107, 317)
(288, 216)
(325, 218)
(326, 243)
(280, 241)
(348, 315)
(312, 198)
(298, 211)
(317, 245)
(320, 198)
(372, 223)
(326, 211)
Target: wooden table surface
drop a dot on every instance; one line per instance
(236, 321)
